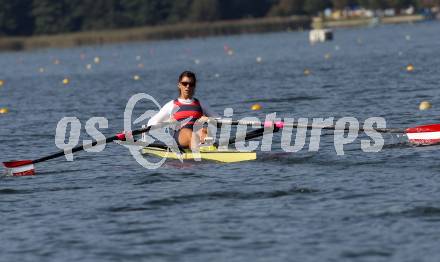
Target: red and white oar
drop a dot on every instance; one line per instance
(19, 168)
(419, 135)
(424, 135)
(26, 167)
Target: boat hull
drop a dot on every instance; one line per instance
(211, 154)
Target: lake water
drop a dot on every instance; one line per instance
(304, 206)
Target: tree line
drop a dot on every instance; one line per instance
(36, 17)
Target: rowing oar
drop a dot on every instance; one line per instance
(249, 135)
(26, 167)
(419, 135)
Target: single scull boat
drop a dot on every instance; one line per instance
(211, 153)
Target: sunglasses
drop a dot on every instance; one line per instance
(190, 84)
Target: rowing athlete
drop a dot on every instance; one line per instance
(185, 109)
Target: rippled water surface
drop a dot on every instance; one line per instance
(304, 206)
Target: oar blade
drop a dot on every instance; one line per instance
(19, 168)
(424, 135)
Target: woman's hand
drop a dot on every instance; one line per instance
(203, 119)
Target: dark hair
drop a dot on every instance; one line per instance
(188, 74)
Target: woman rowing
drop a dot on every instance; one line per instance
(186, 109)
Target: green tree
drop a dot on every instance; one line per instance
(204, 10)
(426, 3)
(340, 4)
(179, 11)
(313, 7)
(287, 7)
(399, 4)
(233, 9)
(97, 14)
(145, 12)
(8, 21)
(374, 4)
(50, 17)
(15, 17)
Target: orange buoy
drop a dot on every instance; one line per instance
(4, 110)
(256, 107)
(425, 105)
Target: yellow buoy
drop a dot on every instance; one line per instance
(306, 72)
(327, 56)
(97, 60)
(2, 82)
(410, 68)
(136, 77)
(66, 81)
(425, 105)
(256, 107)
(4, 110)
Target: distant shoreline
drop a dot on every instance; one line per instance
(187, 30)
(163, 32)
(361, 22)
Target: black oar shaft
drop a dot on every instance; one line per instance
(250, 135)
(94, 143)
(308, 126)
(75, 149)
